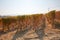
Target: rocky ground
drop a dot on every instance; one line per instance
(53, 34)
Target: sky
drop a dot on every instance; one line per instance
(24, 7)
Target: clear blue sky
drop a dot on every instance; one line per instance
(22, 7)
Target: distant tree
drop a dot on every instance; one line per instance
(57, 25)
(37, 19)
(6, 22)
(20, 20)
(51, 16)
